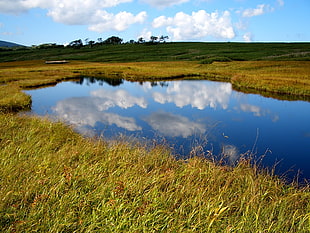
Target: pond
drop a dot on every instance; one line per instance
(191, 117)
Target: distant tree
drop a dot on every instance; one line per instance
(154, 39)
(163, 38)
(100, 41)
(76, 44)
(113, 40)
(91, 43)
(141, 40)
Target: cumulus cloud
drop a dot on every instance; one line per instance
(259, 10)
(182, 94)
(174, 125)
(197, 25)
(164, 3)
(145, 34)
(12, 7)
(247, 37)
(71, 6)
(79, 12)
(118, 22)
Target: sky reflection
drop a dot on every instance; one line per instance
(196, 94)
(184, 112)
(172, 125)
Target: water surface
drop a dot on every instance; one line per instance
(192, 117)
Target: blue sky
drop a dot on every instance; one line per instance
(34, 22)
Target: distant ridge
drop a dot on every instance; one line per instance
(9, 44)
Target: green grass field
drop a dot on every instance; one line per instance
(202, 52)
(54, 180)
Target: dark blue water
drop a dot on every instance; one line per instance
(192, 117)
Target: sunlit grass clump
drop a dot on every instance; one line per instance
(54, 180)
(12, 99)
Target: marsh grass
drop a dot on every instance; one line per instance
(282, 79)
(53, 179)
(12, 99)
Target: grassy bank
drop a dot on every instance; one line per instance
(54, 180)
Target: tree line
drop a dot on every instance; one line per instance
(114, 40)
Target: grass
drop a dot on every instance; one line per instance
(279, 79)
(12, 99)
(186, 51)
(54, 180)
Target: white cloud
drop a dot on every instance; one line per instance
(145, 34)
(197, 25)
(247, 37)
(259, 10)
(182, 94)
(118, 22)
(12, 7)
(77, 6)
(173, 125)
(79, 12)
(164, 3)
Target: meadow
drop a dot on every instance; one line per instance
(53, 179)
(180, 51)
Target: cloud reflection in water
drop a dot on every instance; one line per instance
(82, 111)
(196, 94)
(174, 125)
(120, 98)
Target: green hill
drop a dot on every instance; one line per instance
(180, 51)
(9, 44)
